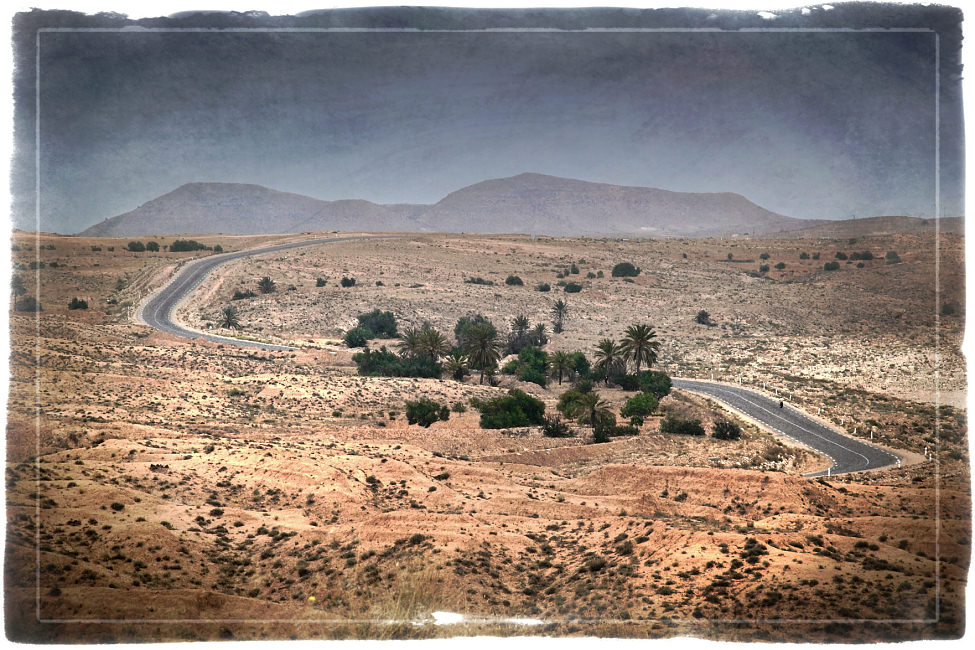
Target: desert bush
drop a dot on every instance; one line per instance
(726, 430)
(28, 303)
(641, 405)
(764, 268)
(815, 256)
(34, 265)
(266, 285)
(780, 266)
(240, 295)
(804, 256)
(357, 337)
(702, 318)
(840, 255)
(544, 286)
(672, 424)
(533, 366)
(320, 282)
(516, 409)
(573, 287)
(216, 249)
(763, 256)
(892, 257)
(425, 412)
(17, 286)
(77, 303)
(479, 281)
(136, 247)
(513, 280)
(862, 255)
(831, 266)
(347, 282)
(625, 270)
(384, 363)
(624, 430)
(555, 427)
(189, 245)
(382, 324)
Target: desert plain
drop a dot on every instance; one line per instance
(162, 488)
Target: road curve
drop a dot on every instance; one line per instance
(158, 310)
(848, 454)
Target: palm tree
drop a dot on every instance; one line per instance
(410, 343)
(457, 366)
(561, 363)
(266, 285)
(17, 286)
(482, 347)
(538, 335)
(560, 310)
(639, 345)
(590, 408)
(609, 357)
(520, 325)
(433, 344)
(230, 320)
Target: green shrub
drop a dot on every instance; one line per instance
(479, 281)
(573, 287)
(862, 255)
(425, 412)
(641, 404)
(544, 286)
(320, 282)
(533, 366)
(357, 337)
(763, 256)
(383, 363)
(382, 324)
(625, 270)
(555, 427)
(673, 424)
(136, 247)
(513, 280)
(347, 282)
(187, 245)
(240, 295)
(840, 255)
(702, 318)
(77, 303)
(511, 367)
(804, 256)
(892, 257)
(152, 247)
(726, 430)
(516, 409)
(780, 266)
(831, 266)
(763, 268)
(624, 430)
(216, 249)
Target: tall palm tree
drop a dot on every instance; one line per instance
(409, 344)
(229, 318)
(520, 325)
(609, 357)
(560, 310)
(482, 347)
(561, 363)
(433, 344)
(590, 408)
(639, 345)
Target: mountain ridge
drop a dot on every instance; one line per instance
(527, 202)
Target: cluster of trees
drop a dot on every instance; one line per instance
(372, 325)
(178, 246)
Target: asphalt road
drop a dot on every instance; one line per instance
(848, 454)
(159, 310)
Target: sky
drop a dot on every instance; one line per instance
(825, 124)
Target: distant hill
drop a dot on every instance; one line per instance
(525, 203)
(239, 209)
(876, 226)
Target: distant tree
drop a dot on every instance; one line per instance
(381, 323)
(266, 285)
(347, 282)
(433, 344)
(831, 266)
(27, 303)
(639, 345)
(513, 280)
(410, 344)
(229, 319)
(763, 256)
(804, 256)
(516, 409)
(780, 266)
(357, 337)
(892, 257)
(216, 249)
(560, 311)
(840, 255)
(573, 287)
(726, 430)
(574, 269)
(465, 323)
(561, 363)
(763, 268)
(703, 318)
(482, 347)
(609, 358)
(77, 303)
(625, 270)
(640, 405)
(188, 245)
(554, 427)
(538, 336)
(152, 247)
(17, 286)
(456, 366)
(518, 338)
(136, 247)
(425, 412)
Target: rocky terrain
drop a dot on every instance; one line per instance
(162, 488)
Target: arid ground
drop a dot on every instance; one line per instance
(164, 488)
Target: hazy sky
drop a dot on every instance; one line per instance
(810, 125)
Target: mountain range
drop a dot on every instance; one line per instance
(526, 203)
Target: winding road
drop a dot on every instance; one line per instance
(158, 310)
(848, 454)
